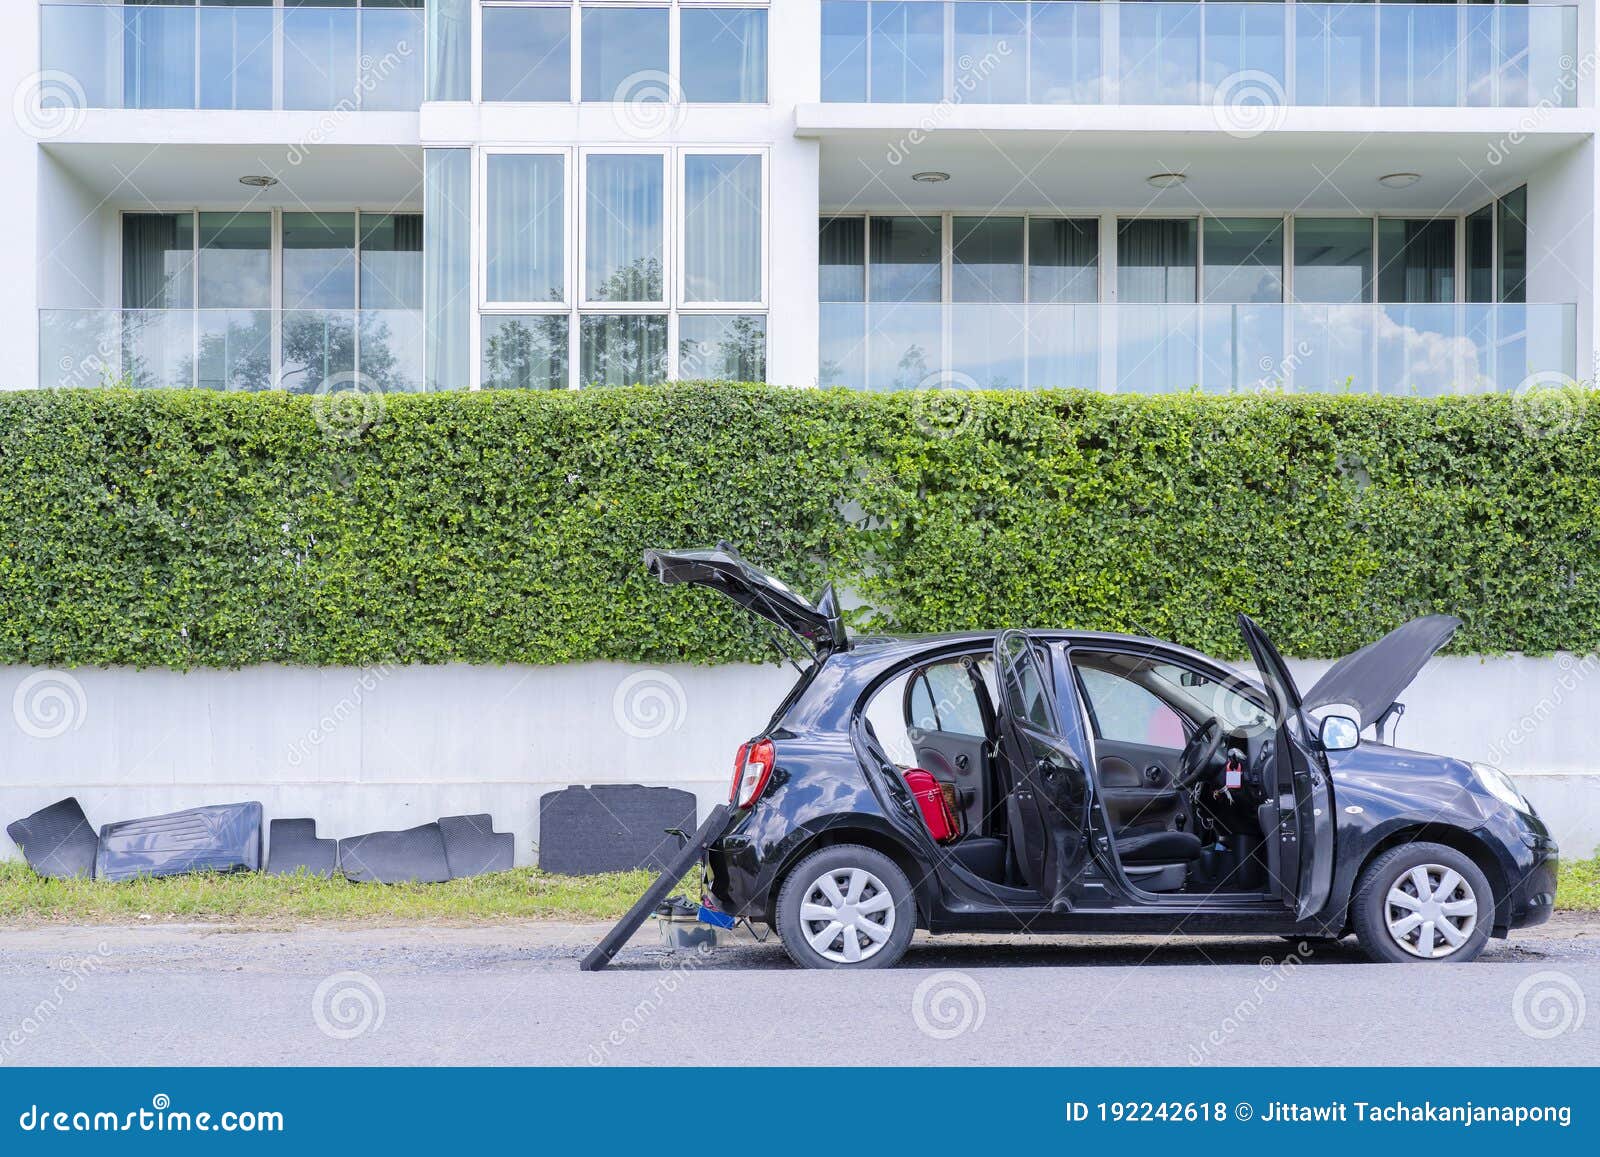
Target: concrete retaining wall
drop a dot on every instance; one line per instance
(368, 749)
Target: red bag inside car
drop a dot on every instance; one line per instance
(934, 805)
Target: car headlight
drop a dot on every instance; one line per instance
(1500, 785)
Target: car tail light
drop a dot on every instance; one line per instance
(752, 767)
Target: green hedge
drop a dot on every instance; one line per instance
(204, 529)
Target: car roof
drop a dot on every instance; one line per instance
(873, 647)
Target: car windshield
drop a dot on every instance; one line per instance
(1203, 698)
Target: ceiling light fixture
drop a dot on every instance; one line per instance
(1399, 180)
(1166, 180)
(931, 177)
(258, 182)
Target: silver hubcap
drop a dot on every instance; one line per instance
(847, 915)
(1431, 911)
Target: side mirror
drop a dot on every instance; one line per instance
(1340, 733)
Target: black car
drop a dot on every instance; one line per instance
(1064, 781)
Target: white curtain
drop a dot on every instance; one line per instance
(624, 208)
(446, 259)
(722, 228)
(450, 50)
(525, 228)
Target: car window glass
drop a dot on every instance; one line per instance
(954, 699)
(1025, 693)
(1212, 698)
(1125, 712)
(924, 714)
(886, 716)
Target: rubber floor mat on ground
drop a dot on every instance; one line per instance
(58, 840)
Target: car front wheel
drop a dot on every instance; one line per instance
(1422, 903)
(846, 907)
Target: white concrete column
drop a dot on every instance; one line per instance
(20, 247)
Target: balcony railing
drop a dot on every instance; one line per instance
(189, 57)
(302, 350)
(1387, 349)
(1251, 56)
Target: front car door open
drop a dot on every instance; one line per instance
(1306, 818)
(1047, 805)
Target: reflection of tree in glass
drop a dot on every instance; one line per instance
(639, 280)
(739, 355)
(526, 353)
(913, 368)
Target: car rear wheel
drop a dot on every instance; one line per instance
(846, 907)
(1423, 903)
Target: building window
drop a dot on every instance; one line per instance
(527, 52)
(1416, 261)
(198, 288)
(625, 52)
(722, 227)
(723, 55)
(1156, 260)
(623, 349)
(525, 351)
(986, 259)
(906, 262)
(1511, 225)
(624, 217)
(1480, 254)
(525, 228)
(1063, 260)
(1333, 259)
(1243, 259)
(722, 347)
(842, 258)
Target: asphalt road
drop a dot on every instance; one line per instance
(155, 995)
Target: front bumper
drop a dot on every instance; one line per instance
(1528, 859)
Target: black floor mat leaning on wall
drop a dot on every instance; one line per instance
(220, 838)
(415, 855)
(611, 828)
(293, 845)
(472, 847)
(57, 840)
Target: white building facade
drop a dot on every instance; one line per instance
(1127, 196)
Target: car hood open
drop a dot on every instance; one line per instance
(819, 626)
(1371, 679)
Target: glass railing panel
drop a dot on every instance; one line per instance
(844, 51)
(907, 52)
(389, 357)
(991, 58)
(1158, 348)
(1159, 53)
(158, 348)
(168, 56)
(80, 348)
(1241, 348)
(1335, 54)
(1333, 348)
(1417, 62)
(1064, 346)
(1245, 53)
(1051, 51)
(236, 55)
(319, 58)
(234, 350)
(1064, 54)
(904, 346)
(988, 348)
(391, 51)
(319, 350)
(842, 352)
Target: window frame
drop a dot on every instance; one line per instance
(574, 59)
(680, 229)
(568, 248)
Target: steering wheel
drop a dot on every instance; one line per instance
(1195, 759)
